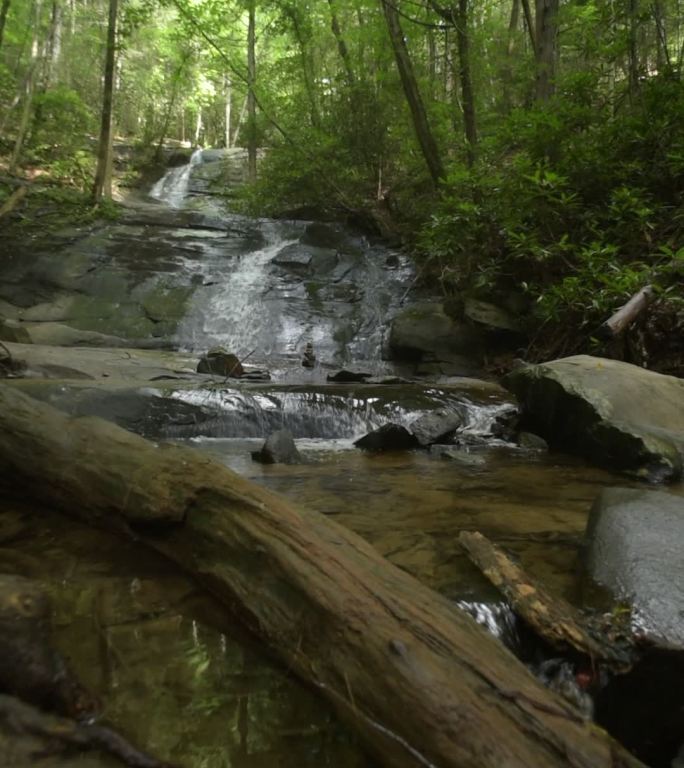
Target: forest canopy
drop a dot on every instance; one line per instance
(531, 149)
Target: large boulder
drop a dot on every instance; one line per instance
(617, 415)
(425, 333)
(279, 448)
(633, 547)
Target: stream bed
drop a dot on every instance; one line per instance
(173, 672)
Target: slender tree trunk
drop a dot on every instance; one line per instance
(307, 68)
(663, 60)
(467, 94)
(530, 26)
(171, 105)
(29, 88)
(228, 87)
(632, 47)
(241, 120)
(54, 44)
(102, 186)
(546, 35)
(4, 8)
(432, 62)
(508, 69)
(426, 140)
(341, 45)
(251, 100)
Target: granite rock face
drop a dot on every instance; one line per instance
(617, 415)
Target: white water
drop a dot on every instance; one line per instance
(173, 185)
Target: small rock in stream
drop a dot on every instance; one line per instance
(347, 376)
(279, 448)
(532, 442)
(389, 437)
(220, 363)
(437, 426)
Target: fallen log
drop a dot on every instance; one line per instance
(627, 313)
(549, 615)
(12, 201)
(422, 683)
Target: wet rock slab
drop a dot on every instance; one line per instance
(618, 415)
(634, 545)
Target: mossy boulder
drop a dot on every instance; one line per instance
(617, 415)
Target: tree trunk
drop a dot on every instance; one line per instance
(632, 47)
(420, 680)
(4, 8)
(102, 186)
(529, 24)
(546, 35)
(341, 45)
(426, 140)
(307, 67)
(241, 118)
(251, 99)
(508, 68)
(29, 88)
(469, 120)
(228, 88)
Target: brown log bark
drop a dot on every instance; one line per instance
(549, 615)
(420, 680)
(627, 313)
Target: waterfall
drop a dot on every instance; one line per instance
(173, 185)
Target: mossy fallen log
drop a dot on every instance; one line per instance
(421, 682)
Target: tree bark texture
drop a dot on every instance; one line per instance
(546, 35)
(251, 99)
(426, 140)
(467, 92)
(341, 45)
(423, 684)
(4, 9)
(102, 187)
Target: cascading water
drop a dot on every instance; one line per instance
(263, 289)
(173, 185)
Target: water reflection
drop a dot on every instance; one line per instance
(174, 674)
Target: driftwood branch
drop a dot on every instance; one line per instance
(20, 719)
(549, 615)
(627, 314)
(420, 681)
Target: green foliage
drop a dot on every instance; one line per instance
(575, 208)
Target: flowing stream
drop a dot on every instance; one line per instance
(175, 674)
